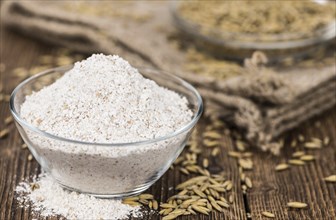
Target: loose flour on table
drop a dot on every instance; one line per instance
(48, 198)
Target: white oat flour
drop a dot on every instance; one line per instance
(105, 100)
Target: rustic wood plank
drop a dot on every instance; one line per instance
(272, 190)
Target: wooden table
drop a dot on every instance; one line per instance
(271, 190)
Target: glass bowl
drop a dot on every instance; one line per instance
(234, 45)
(100, 169)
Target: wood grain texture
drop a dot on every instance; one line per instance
(271, 191)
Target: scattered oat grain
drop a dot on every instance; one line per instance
(282, 166)
(331, 179)
(231, 198)
(212, 134)
(293, 143)
(4, 133)
(298, 154)
(312, 145)
(234, 154)
(215, 152)
(307, 158)
(30, 157)
(296, 162)
(268, 214)
(248, 182)
(240, 145)
(205, 162)
(298, 205)
(8, 120)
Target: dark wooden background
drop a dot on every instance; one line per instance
(271, 191)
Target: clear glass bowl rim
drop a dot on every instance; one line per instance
(186, 127)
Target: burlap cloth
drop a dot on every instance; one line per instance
(262, 102)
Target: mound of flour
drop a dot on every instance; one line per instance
(103, 99)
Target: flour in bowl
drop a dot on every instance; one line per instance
(103, 99)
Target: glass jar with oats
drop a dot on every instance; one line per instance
(234, 29)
